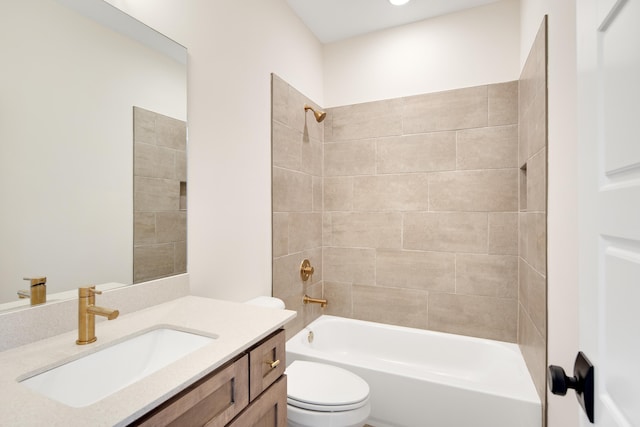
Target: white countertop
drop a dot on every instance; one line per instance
(238, 326)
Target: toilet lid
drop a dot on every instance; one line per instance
(325, 388)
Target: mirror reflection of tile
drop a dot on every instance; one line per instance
(160, 191)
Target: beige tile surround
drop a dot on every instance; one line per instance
(419, 209)
(433, 209)
(532, 305)
(160, 219)
(297, 163)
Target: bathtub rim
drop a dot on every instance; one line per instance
(295, 345)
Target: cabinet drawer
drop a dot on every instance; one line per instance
(266, 363)
(213, 401)
(268, 410)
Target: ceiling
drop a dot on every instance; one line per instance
(334, 20)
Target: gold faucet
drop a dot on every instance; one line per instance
(87, 311)
(37, 292)
(307, 299)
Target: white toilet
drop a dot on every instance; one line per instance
(321, 395)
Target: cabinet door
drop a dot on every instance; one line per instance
(267, 410)
(267, 363)
(212, 401)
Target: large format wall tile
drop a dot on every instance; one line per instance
(180, 257)
(279, 100)
(533, 240)
(340, 295)
(403, 307)
(154, 162)
(153, 261)
(480, 316)
(418, 199)
(533, 127)
(297, 200)
(350, 265)
(446, 232)
(364, 229)
(488, 148)
(488, 275)
(317, 201)
(416, 153)
(503, 103)
(533, 347)
(171, 133)
(286, 151)
(144, 228)
(338, 194)
(432, 271)
(533, 296)
(171, 226)
(503, 233)
(280, 234)
(286, 273)
(450, 110)
(487, 190)
(160, 216)
(532, 243)
(408, 192)
(154, 194)
(368, 120)
(350, 158)
(537, 182)
(305, 231)
(292, 191)
(312, 157)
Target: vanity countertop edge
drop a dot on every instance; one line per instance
(237, 327)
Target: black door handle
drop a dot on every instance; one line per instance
(581, 382)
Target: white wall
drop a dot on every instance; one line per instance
(469, 48)
(233, 48)
(66, 144)
(562, 232)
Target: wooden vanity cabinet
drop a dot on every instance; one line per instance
(267, 410)
(266, 364)
(248, 391)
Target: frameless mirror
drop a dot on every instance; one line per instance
(73, 71)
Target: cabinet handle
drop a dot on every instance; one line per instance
(274, 363)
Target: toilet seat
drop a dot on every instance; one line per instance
(324, 388)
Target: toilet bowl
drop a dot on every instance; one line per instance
(321, 395)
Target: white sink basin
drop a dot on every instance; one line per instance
(95, 376)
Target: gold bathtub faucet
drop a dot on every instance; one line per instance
(87, 311)
(307, 299)
(37, 292)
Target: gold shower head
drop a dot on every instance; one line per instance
(319, 115)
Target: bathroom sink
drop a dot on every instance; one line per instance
(90, 378)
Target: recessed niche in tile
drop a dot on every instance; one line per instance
(523, 187)
(183, 196)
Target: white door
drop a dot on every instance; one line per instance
(609, 215)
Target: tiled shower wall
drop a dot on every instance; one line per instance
(160, 178)
(420, 211)
(296, 200)
(532, 306)
(412, 219)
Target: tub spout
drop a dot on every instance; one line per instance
(307, 299)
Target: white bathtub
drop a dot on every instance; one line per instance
(423, 378)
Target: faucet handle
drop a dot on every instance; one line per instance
(36, 280)
(87, 291)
